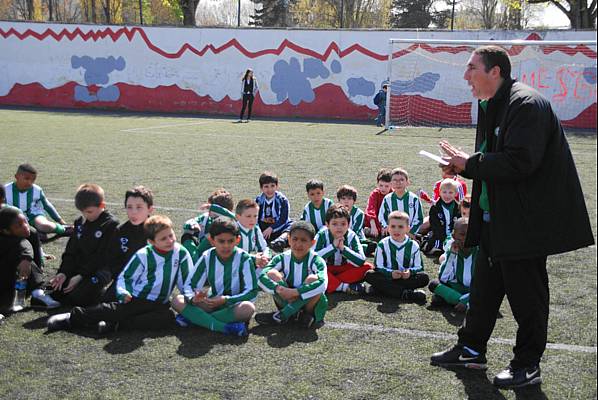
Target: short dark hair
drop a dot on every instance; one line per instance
(223, 225)
(303, 226)
(400, 171)
(314, 184)
(26, 168)
(268, 177)
(337, 211)
(8, 216)
(141, 192)
(88, 195)
(385, 175)
(2, 194)
(494, 56)
(346, 191)
(154, 224)
(222, 198)
(245, 204)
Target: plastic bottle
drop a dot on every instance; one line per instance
(20, 290)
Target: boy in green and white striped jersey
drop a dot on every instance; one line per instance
(220, 204)
(341, 249)
(252, 239)
(230, 273)
(25, 195)
(143, 287)
(399, 268)
(347, 196)
(314, 212)
(401, 200)
(297, 280)
(456, 271)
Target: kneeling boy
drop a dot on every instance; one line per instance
(341, 249)
(399, 268)
(454, 279)
(230, 273)
(143, 287)
(297, 280)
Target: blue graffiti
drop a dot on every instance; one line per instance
(589, 74)
(288, 81)
(313, 68)
(336, 67)
(97, 71)
(360, 86)
(421, 84)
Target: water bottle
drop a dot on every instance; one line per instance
(20, 289)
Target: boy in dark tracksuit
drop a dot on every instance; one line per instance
(76, 282)
(443, 215)
(127, 239)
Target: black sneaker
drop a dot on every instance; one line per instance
(270, 319)
(59, 322)
(105, 327)
(306, 320)
(516, 378)
(417, 296)
(458, 356)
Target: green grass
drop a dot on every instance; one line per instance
(183, 164)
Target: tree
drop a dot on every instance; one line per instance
(413, 13)
(272, 13)
(581, 16)
(188, 8)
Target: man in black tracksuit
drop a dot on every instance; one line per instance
(526, 192)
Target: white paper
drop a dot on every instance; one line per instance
(434, 157)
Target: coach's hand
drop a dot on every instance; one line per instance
(454, 156)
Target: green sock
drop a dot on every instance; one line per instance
(451, 296)
(59, 229)
(202, 318)
(226, 315)
(292, 308)
(321, 308)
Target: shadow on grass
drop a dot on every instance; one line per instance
(388, 305)
(284, 336)
(197, 342)
(453, 317)
(338, 297)
(476, 384)
(126, 341)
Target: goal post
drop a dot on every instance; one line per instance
(426, 85)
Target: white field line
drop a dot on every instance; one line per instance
(122, 205)
(163, 126)
(448, 336)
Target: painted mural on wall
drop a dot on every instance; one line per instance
(319, 74)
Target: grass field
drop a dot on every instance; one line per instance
(370, 348)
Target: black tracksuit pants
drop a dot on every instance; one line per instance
(247, 103)
(525, 283)
(85, 294)
(395, 287)
(137, 314)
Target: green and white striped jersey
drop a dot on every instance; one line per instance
(252, 240)
(234, 278)
(458, 268)
(32, 202)
(409, 203)
(316, 216)
(204, 220)
(352, 249)
(398, 256)
(151, 276)
(356, 225)
(295, 272)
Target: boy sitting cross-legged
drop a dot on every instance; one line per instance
(454, 278)
(127, 239)
(399, 267)
(76, 282)
(274, 212)
(347, 196)
(341, 249)
(442, 218)
(252, 239)
(143, 287)
(314, 212)
(24, 194)
(401, 200)
(297, 280)
(230, 273)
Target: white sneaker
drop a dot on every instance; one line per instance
(40, 298)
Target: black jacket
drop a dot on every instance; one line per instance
(537, 206)
(86, 248)
(125, 242)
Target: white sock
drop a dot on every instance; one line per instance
(37, 293)
(342, 287)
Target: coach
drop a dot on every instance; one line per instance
(527, 203)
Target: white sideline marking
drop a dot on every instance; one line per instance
(162, 126)
(449, 336)
(121, 204)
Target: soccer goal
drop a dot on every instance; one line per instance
(427, 86)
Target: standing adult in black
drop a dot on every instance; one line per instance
(248, 90)
(527, 204)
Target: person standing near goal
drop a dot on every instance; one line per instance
(521, 150)
(248, 91)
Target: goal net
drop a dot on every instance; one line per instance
(427, 86)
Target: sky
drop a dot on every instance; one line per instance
(551, 16)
